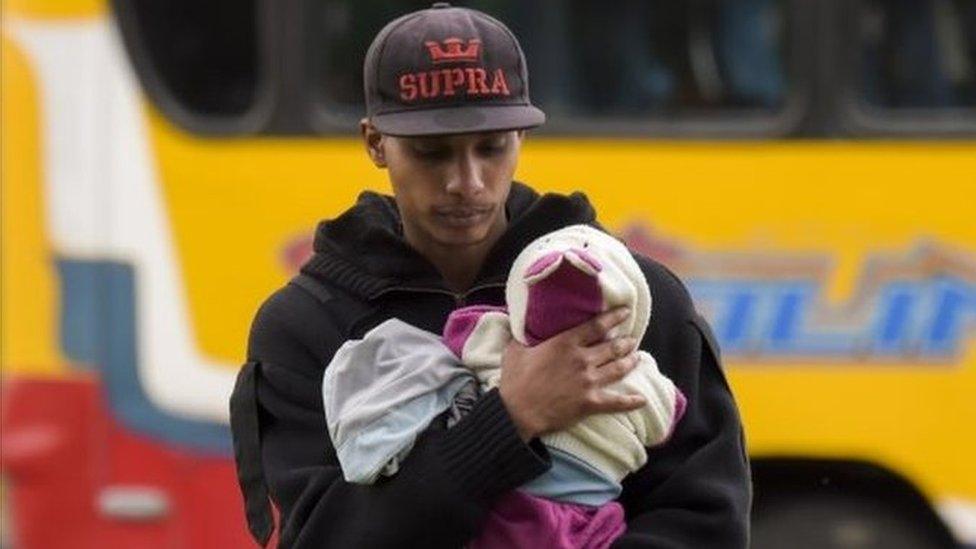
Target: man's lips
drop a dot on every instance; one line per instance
(463, 211)
(463, 215)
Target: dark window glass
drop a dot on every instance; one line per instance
(918, 53)
(203, 54)
(339, 34)
(642, 58)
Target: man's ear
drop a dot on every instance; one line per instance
(374, 142)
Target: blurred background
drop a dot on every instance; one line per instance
(808, 167)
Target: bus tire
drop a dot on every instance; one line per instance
(828, 521)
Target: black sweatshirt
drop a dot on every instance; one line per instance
(693, 492)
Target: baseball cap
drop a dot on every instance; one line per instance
(447, 70)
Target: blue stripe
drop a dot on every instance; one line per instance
(98, 327)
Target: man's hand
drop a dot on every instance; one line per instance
(562, 380)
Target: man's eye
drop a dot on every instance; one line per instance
(492, 148)
(431, 153)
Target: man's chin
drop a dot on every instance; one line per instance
(461, 232)
(461, 237)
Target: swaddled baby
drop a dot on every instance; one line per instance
(559, 281)
(381, 391)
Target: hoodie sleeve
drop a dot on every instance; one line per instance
(443, 489)
(695, 490)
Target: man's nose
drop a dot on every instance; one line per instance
(466, 177)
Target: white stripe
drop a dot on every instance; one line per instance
(960, 516)
(104, 200)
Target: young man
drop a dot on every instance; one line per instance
(447, 104)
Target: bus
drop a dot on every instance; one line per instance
(807, 168)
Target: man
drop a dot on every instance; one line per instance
(447, 105)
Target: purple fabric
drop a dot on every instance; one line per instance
(462, 322)
(551, 257)
(543, 262)
(585, 256)
(521, 520)
(564, 299)
(680, 405)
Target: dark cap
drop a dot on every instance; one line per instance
(447, 70)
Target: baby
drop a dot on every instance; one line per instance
(562, 279)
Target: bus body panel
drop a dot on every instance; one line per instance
(840, 279)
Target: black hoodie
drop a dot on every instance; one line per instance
(693, 492)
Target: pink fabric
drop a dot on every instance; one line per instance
(564, 299)
(521, 520)
(551, 257)
(587, 257)
(462, 322)
(543, 262)
(680, 405)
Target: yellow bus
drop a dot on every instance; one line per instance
(808, 168)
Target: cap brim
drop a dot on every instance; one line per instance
(463, 119)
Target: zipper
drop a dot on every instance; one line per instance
(460, 299)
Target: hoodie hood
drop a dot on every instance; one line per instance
(363, 250)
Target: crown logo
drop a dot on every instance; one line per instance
(453, 50)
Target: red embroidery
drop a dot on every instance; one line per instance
(476, 82)
(449, 82)
(454, 51)
(435, 84)
(499, 86)
(453, 78)
(408, 87)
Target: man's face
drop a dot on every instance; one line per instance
(451, 190)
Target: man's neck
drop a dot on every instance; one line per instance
(459, 265)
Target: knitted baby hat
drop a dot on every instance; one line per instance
(566, 277)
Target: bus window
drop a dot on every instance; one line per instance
(918, 54)
(640, 63)
(664, 57)
(339, 34)
(200, 58)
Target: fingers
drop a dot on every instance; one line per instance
(598, 328)
(602, 401)
(605, 402)
(615, 370)
(612, 349)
